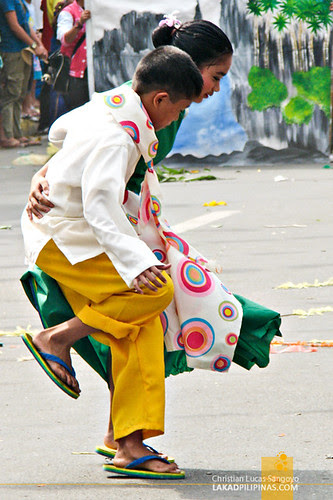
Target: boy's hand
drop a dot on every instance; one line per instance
(150, 277)
(38, 204)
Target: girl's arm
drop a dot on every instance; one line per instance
(38, 204)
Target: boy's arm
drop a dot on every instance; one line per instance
(103, 186)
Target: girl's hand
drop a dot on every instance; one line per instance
(150, 277)
(85, 16)
(38, 204)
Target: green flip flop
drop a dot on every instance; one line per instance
(42, 357)
(133, 470)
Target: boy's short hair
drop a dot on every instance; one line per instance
(170, 69)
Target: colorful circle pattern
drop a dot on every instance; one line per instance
(231, 339)
(178, 341)
(145, 211)
(156, 206)
(220, 363)
(193, 279)
(160, 254)
(228, 311)
(150, 166)
(133, 220)
(115, 101)
(177, 242)
(132, 129)
(198, 336)
(152, 149)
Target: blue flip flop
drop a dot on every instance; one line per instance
(42, 357)
(107, 452)
(132, 470)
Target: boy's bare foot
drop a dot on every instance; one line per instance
(109, 440)
(130, 449)
(46, 342)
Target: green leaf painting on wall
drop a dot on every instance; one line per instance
(298, 110)
(308, 84)
(267, 91)
(315, 86)
(315, 13)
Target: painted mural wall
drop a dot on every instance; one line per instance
(273, 106)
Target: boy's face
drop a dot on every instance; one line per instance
(165, 112)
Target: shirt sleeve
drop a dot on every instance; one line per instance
(64, 24)
(103, 187)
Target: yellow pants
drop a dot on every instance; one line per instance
(129, 324)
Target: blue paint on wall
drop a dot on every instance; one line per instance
(210, 127)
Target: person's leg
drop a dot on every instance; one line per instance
(58, 341)
(12, 76)
(109, 440)
(17, 108)
(78, 93)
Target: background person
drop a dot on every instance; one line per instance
(71, 29)
(16, 35)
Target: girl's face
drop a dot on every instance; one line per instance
(212, 75)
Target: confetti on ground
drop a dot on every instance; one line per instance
(280, 178)
(31, 159)
(51, 150)
(293, 348)
(5, 227)
(83, 453)
(25, 358)
(312, 312)
(168, 174)
(214, 203)
(18, 332)
(317, 283)
(311, 343)
(286, 225)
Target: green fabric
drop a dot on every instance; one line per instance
(259, 326)
(166, 137)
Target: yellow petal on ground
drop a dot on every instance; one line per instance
(194, 171)
(317, 283)
(313, 311)
(214, 203)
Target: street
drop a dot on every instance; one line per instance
(276, 227)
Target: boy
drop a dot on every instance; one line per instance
(112, 280)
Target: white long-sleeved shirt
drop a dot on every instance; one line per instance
(87, 180)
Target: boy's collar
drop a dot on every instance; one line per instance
(127, 109)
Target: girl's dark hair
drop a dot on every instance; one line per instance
(202, 40)
(169, 69)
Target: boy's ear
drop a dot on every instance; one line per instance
(160, 97)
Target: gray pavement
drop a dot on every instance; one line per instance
(218, 426)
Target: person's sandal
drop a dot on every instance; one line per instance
(10, 143)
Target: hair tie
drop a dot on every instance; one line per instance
(171, 20)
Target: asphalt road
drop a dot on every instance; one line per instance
(277, 227)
